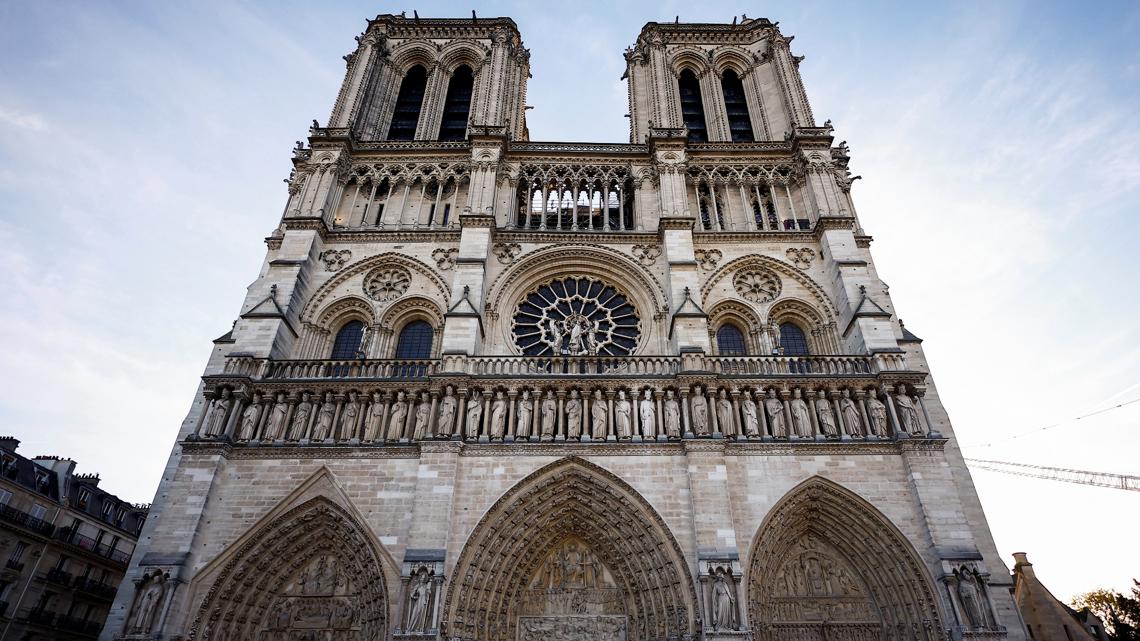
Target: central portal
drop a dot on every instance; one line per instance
(572, 596)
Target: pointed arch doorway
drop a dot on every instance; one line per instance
(571, 552)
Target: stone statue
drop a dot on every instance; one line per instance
(249, 418)
(446, 413)
(576, 338)
(396, 418)
(147, 605)
(908, 412)
(474, 416)
(774, 408)
(375, 419)
(878, 415)
(498, 416)
(672, 411)
(801, 418)
(622, 412)
(724, 414)
(301, 418)
(751, 420)
(555, 341)
(275, 425)
(970, 597)
(599, 414)
(573, 415)
(648, 415)
(549, 410)
(826, 415)
(724, 603)
(323, 427)
(349, 417)
(852, 422)
(423, 413)
(700, 412)
(420, 599)
(592, 338)
(219, 410)
(526, 410)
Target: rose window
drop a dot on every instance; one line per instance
(758, 286)
(387, 283)
(576, 316)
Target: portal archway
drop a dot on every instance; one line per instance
(571, 550)
(826, 565)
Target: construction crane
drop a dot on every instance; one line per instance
(1083, 477)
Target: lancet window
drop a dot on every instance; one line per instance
(793, 342)
(408, 103)
(692, 107)
(564, 198)
(415, 340)
(457, 105)
(347, 343)
(730, 341)
(736, 106)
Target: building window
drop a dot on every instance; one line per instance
(735, 104)
(17, 552)
(407, 112)
(415, 340)
(792, 340)
(729, 341)
(347, 343)
(84, 497)
(107, 507)
(692, 108)
(457, 105)
(5, 496)
(38, 511)
(120, 516)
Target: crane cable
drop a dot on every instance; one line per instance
(1081, 477)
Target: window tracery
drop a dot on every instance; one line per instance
(576, 316)
(575, 197)
(736, 107)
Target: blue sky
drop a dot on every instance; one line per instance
(143, 145)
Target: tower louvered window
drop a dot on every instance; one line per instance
(408, 103)
(457, 105)
(739, 124)
(692, 108)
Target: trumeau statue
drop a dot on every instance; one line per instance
(423, 413)
(724, 414)
(350, 416)
(826, 415)
(249, 418)
(908, 413)
(648, 415)
(323, 427)
(474, 416)
(751, 421)
(878, 415)
(573, 415)
(275, 426)
(599, 414)
(396, 418)
(549, 410)
(622, 412)
(801, 417)
(498, 416)
(219, 411)
(774, 408)
(852, 422)
(375, 419)
(526, 411)
(672, 410)
(700, 412)
(447, 408)
(300, 418)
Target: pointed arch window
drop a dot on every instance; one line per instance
(415, 340)
(347, 343)
(408, 103)
(739, 124)
(730, 341)
(457, 105)
(792, 340)
(692, 108)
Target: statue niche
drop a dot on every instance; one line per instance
(572, 595)
(816, 587)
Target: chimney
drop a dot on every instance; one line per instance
(9, 443)
(1022, 564)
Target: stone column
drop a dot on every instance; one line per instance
(512, 397)
(738, 432)
(560, 424)
(688, 430)
(458, 431)
(485, 432)
(241, 400)
(430, 432)
(610, 434)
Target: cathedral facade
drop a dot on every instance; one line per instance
(491, 389)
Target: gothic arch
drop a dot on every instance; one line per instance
(420, 271)
(826, 558)
(463, 52)
(401, 313)
(738, 314)
(571, 499)
(732, 57)
(411, 53)
(317, 548)
(689, 58)
(786, 272)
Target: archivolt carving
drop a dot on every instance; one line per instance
(790, 308)
(463, 51)
(783, 269)
(732, 57)
(686, 57)
(312, 569)
(388, 259)
(412, 308)
(346, 309)
(413, 52)
(824, 557)
(571, 505)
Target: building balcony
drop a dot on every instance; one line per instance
(78, 626)
(89, 545)
(25, 521)
(57, 576)
(94, 588)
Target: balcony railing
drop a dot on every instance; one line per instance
(55, 575)
(89, 544)
(25, 520)
(95, 588)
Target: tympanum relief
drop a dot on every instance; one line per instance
(816, 587)
(319, 603)
(572, 596)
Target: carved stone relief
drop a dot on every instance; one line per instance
(150, 593)
(506, 252)
(815, 584)
(801, 257)
(387, 283)
(445, 258)
(334, 259)
(708, 258)
(572, 596)
(647, 254)
(756, 285)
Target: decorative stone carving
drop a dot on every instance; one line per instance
(474, 415)
(647, 415)
(708, 258)
(572, 628)
(323, 427)
(751, 419)
(419, 602)
(723, 602)
(349, 416)
(576, 317)
(672, 411)
(724, 414)
(801, 416)
(827, 423)
(387, 283)
(599, 414)
(852, 421)
(498, 416)
(647, 254)
(549, 416)
(301, 415)
(774, 409)
(423, 413)
(506, 252)
(375, 419)
(700, 412)
(447, 408)
(445, 258)
(275, 424)
(802, 257)
(877, 415)
(335, 259)
(758, 286)
(970, 596)
(150, 594)
(908, 412)
(526, 411)
(250, 417)
(219, 410)
(396, 418)
(622, 416)
(814, 578)
(573, 416)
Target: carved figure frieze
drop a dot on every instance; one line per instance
(877, 416)
(250, 417)
(708, 258)
(672, 416)
(852, 421)
(700, 412)
(774, 409)
(801, 257)
(573, 415)
(387, 283)
(335, 259)
(301, 414)
(646, 254)
(526, 411)
(801, 415)
(506, 252)
(827, 423)
(445, 258)
(218, 412)
(622, 416)
(757, 285)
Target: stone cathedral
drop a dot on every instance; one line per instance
(485, 388)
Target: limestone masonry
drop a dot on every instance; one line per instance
(486, 388)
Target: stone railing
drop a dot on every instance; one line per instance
(515, 398)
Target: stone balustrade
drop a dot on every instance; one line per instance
(514, 399)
